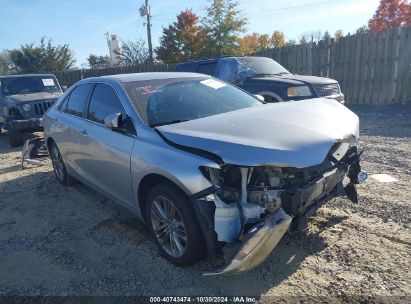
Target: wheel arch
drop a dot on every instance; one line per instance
(146, 184)
(271, 94)
(49, 141)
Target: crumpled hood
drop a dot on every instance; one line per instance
(287, 134)
(34, 97)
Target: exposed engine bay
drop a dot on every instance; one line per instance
(247, 198)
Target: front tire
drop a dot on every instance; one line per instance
(173, 223)
(58, 166)
(15, 138)
(270, 99)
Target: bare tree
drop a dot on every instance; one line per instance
(309, 37)
(133, 52)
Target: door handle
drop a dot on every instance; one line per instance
(83, 132)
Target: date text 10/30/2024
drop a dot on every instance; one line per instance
(199, 299)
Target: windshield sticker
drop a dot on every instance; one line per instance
(48, 82)
(213, 83)
(148, 89)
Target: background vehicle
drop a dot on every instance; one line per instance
(186, 153)
(266, 77)
(23, 101)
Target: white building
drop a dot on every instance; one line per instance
(114, 44)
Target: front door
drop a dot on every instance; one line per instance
(109, 152)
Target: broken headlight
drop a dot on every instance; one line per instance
(212, 174)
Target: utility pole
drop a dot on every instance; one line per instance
(146, 11)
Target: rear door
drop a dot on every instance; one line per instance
(108, 152)
(71, 125)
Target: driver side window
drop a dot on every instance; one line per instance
(103, 102)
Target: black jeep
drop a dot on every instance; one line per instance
(264, 76)
(23, 101)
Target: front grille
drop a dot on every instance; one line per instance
(329, 89)
(41, 107)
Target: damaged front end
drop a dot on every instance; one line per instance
(249, 209)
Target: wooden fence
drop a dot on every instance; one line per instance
(67, 78)
(372, 68)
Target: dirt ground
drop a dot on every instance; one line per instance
(57, 240)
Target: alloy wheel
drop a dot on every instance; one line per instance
(57, 162)
(168, 226)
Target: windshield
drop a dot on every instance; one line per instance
(29, 84)
(167, 101)
(262, 66)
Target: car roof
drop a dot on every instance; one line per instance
(25, 75)
(217, 58)
(152, 75)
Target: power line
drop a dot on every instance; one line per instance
(295, 6)
(163, 16)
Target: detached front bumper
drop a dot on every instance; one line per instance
(256, 245)
(35, 124)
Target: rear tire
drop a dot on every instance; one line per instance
(175, 228)
(15, 138)
(59, 167)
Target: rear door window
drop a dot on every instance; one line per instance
(186, 67)
(77, 100)
(207, 68)
(63, 105)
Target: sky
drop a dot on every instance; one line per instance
(83, 23)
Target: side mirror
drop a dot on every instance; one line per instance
(259, 97)
(113, 121)
(64, 88)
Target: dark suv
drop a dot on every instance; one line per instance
(23, 101)
(264, 76)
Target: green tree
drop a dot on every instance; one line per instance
(223, 24)
(43, 58)
(362, 30)
(133, 52)
(182, 40)
(326, 36)
(98, 62)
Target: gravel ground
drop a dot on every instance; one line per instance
(57, 240)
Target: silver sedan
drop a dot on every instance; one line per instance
(211, 169)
